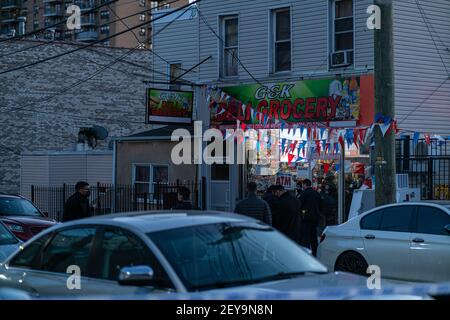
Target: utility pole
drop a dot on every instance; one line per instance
(385, 185)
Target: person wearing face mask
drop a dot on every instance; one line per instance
(78, 206)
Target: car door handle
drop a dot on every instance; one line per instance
(370, 237)
(418, 240)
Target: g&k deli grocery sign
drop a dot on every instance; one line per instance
(334, 99)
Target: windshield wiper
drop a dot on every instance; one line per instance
(278, 276)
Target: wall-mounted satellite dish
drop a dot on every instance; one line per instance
(92, 135)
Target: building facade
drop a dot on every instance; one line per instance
(96, 25)
(267, 42)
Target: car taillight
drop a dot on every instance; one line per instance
(322, 237)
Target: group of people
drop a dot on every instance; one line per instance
(298, 217)
(78, 205)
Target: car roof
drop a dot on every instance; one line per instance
(432, 203)
(152, 221)
(6, 195)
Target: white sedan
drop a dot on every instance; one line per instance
(408, 241)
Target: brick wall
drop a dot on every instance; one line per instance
(114, 98)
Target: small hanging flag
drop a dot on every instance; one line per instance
(326, 168)
(324, 144)
(302, 129)
(308, 137)
(427, 139)
(318, 147)
(244, 108)
(322, 131)
(290, 157)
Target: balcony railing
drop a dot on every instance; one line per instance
(87, 36)
(6, 17)
(53, 12)
(10, 4)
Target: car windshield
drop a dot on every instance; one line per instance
(17, 207)
(226, 255)
(6, 237)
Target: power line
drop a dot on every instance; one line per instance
(233, 55)
(97, 41)
(80, 82)
(108, 23)
(425, 20)
(104, 67)
(425, 100)
(56, 23)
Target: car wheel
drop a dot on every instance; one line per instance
(352, 262)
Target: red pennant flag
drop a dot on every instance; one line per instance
(309, 134)
(341, 141)
(318, 147)
(355, 136)
(427, 139)
(290, 157)
(326, 168)
(243, 126)
(362, 134)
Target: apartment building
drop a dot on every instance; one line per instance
(96, 25)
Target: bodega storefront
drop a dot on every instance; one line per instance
(297, 129)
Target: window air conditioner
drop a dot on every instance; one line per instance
(341, 58)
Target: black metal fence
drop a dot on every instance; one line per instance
(427, 165)
(108, 198)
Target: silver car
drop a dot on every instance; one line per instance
(163, 253)
(8, 242)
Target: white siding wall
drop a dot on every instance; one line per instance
(418, 68)
(364, 38)
(34, 169)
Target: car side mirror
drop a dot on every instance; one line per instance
(447, 228)
(136, 276)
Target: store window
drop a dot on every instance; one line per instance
(175, 72)
(230, 46)
(281, 44)
(147, 176)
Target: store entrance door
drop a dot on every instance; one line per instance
(220, 187)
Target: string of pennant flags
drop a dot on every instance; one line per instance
(320, 138)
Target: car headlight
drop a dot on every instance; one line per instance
(16, 228)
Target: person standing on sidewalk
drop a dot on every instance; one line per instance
(78, 206)
(311, 205)
(184, 200)
(286, 215)
(254, 207)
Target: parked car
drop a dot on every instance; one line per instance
(8, 242)
(163, 253)
(408, 241)
(22, 217)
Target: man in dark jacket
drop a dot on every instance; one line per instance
(184, 202)
(77, 206)
(254, 207)
(286, 215)
(270, 197)
(311, 205)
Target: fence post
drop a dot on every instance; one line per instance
(145, 201)
(134, 197)
(158, 203)
(32, 193)
(98, 198)
(203, 193)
